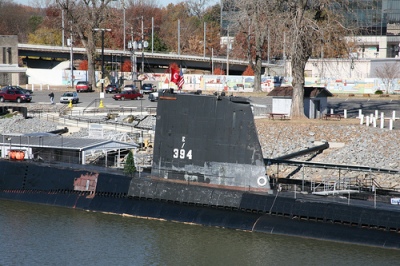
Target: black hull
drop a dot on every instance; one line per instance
(207, 169)
(208, 206)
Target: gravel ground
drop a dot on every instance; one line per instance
(358, 144)
(351, 144)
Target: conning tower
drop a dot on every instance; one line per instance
(209, 139)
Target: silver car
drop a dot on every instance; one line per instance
(70, 96)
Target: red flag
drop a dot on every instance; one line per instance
(175, 75)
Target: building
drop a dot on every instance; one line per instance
(9, 69)
(315, 101)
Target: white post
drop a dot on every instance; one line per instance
(376, 113)
(371, 116)
(374, 121)
(394, 115)
(32, 87)
(390, 124)
(331, 110)
(367, 121)
(48, 87)
(382, 120)
(345, 113)
(359, 113)
(361, 120)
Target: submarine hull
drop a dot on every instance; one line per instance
(207, 169)
(203, 205)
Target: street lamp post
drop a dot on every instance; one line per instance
(131, 46)
(71, 63)
(102, 55)
(137, 45)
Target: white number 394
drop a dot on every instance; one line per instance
(182, 154)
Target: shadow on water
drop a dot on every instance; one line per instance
(42, 235)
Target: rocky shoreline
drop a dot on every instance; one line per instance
(354, 144)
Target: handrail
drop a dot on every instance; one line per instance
(90, 104)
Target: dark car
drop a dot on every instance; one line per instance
(14, 95)
(11, 87)
(148, 88)
(128, 95)
(83, 86)
(113, 88)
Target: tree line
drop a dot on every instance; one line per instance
(255, 30)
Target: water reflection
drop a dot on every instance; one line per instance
(42, 235)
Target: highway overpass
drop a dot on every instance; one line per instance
(44, 56)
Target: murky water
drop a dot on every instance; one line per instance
(42, 235)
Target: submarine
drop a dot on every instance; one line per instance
(207, 169)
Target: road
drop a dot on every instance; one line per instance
(352, 105)
(86, 98)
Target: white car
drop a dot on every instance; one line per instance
(129, 87)
(69, 97)
(154, 95)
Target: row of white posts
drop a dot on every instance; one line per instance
(41, 86)
(372, 119)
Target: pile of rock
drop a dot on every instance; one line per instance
(365, 146)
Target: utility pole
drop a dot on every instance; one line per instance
(204, 39)
(227, 53)
(102, 55)
(142, 47)
(179, 37)
(71, 57)
(131, 45)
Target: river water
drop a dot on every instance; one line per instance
(44, 235)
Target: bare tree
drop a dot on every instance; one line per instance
(197, 7)
(388, 73)
(85, 16)
(253, 17)
(310, 26)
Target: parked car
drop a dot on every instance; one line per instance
(83, 86)
(26, 91)
(148, 88)
(70, 96)
(128, 95)
(130, 87)
(154, 95)
(113, 88)
(15, 95)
